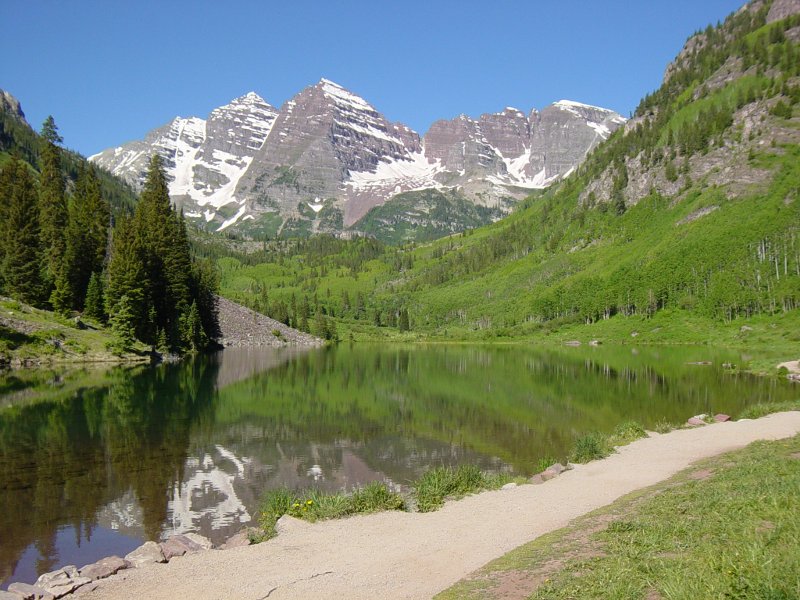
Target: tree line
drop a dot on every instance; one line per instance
(62, 250)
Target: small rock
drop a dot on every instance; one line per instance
(634, 333)
(572, 343)
(793, 377)
(198, 539)
(536, 479)
(744, 328)
(62, 581)
(47, 578)
(25, 591)
(171, 548)
(721, 418)
(240, 539)
(147, 553)
(105, 567)
(695, 421)
(556, 468)
(178, 545)
(728, 366)
(509, 486)
(547, 475)
(595, 343)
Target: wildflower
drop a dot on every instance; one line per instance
(296, 505)
(309, 502)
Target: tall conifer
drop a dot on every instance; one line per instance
(87, 234)
(21, 238)
(127, 277)
(52, 203)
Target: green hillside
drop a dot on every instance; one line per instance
(17, 137)
(691, 212)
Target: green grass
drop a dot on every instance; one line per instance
(590, 446)
(725, 528)
(439, 483)
(314, 505)
(765, 408)
(594, 445)
(53, 338)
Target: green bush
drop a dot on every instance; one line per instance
(437, 484)
(591, 446)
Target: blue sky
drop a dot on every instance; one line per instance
(109, 71)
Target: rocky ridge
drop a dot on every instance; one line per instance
(328, 156)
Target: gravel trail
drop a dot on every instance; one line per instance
(411, 555)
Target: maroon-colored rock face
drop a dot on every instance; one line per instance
(328, 146)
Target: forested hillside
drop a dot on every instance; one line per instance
(64, 249)
(693, 207)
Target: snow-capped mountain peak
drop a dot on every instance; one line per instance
(328, 156)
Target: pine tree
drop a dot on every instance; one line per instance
(94, 306)
(61, 297)
(87, 234)
(126, 275)
(22, 256)
(193, 336)
(52, 203)
(123, 324)
(165, 252)
(205, 282)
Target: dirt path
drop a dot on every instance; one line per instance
(406, 555)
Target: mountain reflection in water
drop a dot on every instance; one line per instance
(94, 461)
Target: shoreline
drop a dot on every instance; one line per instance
(415, 555)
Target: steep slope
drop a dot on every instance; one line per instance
(328, 157)
(692, 209)
(17, 136)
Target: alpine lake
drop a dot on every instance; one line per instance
(96, 460)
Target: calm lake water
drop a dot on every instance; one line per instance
(93, 462)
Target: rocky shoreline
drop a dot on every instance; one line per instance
(70, 580)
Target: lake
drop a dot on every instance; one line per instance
(94, 461)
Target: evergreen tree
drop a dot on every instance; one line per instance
(205, 282)
(192, 334)
(52, 203)
(87, 234)
(123, 324)
(61, 296)
(165, 251)
(126, 276)
(22, 257)
(94, 306)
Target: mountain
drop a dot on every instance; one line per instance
(686, 220)
(328, 157)
(204, 158)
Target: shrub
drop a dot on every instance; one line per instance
(437, 484)
(591, 446)
(628, 432)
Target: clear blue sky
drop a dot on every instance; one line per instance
(111, 70)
